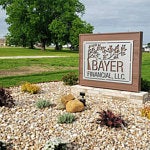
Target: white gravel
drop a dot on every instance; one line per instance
(29, 128)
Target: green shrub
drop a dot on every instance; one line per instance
(43, 104)
(145, 85)
(31, 88)
(70, 79)
(66, 118)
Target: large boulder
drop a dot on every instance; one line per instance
(66, 98)
(74, 106)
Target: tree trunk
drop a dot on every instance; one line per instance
(31, 45)
(24, 44)
(58, 47)
(43, 45)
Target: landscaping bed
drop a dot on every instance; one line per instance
(27, 127)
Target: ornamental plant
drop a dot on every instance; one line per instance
(66, 118)
(70, 79)
(31, 88)
(43, 104)
(55, 144)
(145, 112)
(5, 98)
(109, 119)
(3, 146)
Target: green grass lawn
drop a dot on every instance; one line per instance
(15, 51)
(6, 64)
(15, 71)
(146, 66)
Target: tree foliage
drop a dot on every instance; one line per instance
(78, 27)
(148, 45)
(45, 21)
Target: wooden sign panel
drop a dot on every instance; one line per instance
(111, 60)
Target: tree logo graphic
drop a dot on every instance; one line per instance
(102, 52)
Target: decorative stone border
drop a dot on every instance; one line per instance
(134, 97)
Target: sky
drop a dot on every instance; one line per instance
(3, 24)
(109, 16)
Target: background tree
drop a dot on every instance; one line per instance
(148, 45)
(60, 27)
(78, 27)
(44, 21)
(58, 32)
(22, 32)
(5, 3)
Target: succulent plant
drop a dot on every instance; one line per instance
(43, 104)
(66, 118)
(3, 146)
(55, 144)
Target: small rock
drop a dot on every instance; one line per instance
(96, 148)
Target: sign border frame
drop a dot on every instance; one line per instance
(137, 38)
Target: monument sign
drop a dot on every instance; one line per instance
(111, 60)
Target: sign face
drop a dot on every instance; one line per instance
(109, 61)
